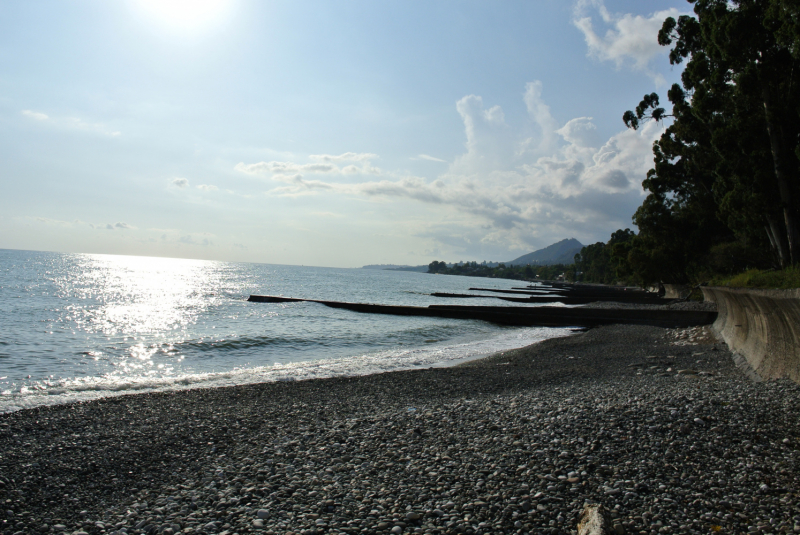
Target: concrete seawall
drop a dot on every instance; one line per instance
(762, 327)
(677, 291)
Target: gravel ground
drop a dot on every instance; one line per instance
(658, 425)
(708, 306)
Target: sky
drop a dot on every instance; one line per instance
(328, 133)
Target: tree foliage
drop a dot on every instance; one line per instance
(606, 262)
(526, 273)
(726, 170)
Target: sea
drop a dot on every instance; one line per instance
(76, 327)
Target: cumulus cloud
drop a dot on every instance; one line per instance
(284, 168)
(509, 188)
(489, 140)
(207, 187)
(321, 166)
(290, 168)
(580, 132)
(180, 182)
(539, 112)
(629, 40)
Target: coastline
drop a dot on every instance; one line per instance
(512, 443)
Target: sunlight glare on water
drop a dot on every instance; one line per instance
(141, 294)
(77, 326)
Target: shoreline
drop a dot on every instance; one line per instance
(512, 443)
(403, 359)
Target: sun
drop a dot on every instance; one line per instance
(185, 15)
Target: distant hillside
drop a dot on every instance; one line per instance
(562, 252)
(382, 266)
(418, 269)
(396, 267)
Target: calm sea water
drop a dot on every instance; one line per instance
(77, 326)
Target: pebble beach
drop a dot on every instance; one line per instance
(660, 426)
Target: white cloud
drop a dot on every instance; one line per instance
(196, 239)
(565, 181)
(285, 168)
(430, 158)
(630, 40)
(107, 226)
(489, 139)
(117, 225)
(180, 182)
(207, 187)
(580, 132)
(72, 123)
(539, 112)
(322, 166)
(35, 115)
(346, 157)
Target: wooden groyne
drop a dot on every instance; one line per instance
(522, 316)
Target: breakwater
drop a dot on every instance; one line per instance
(523, 316)
(762, 327)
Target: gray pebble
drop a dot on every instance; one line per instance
(483, 450)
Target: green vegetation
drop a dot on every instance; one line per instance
(525, 273)
(723, 196)
(756, 278)
(606, 262)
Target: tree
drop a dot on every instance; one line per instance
(727, 168)
(437, 267)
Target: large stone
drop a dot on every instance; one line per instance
(594, 520)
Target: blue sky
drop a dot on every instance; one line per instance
(331, 133)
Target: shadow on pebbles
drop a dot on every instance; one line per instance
(659, 426)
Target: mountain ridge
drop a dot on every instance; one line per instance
(562, 252)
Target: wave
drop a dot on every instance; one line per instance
(338, 339)
(56, 392)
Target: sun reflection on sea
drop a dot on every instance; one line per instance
(145, 302)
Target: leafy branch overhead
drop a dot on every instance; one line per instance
(650, 101)
(726, 177)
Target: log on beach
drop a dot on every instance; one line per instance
(514, 443)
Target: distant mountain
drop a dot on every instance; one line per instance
(562, 252)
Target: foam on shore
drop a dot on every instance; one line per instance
(70, 390)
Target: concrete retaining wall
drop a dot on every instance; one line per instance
(677, 291)
(762, 326)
